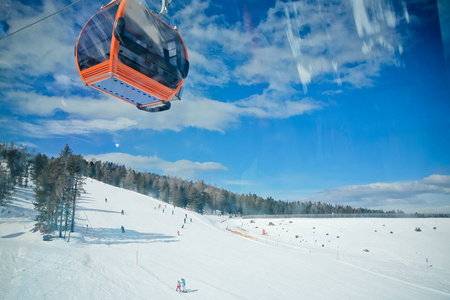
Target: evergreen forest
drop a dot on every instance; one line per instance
(58, 184)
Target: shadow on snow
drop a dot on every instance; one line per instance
(115, 236)
(24, 192)
(98, 210)
(12, 235)
(20, 205)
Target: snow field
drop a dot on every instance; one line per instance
(145, 262)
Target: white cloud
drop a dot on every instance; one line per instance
(107, 114)
(437, 180)
(433, 191)
(28, 145)
(298, 41)
(207, 71)
(182, 168)
(64, 80)
(322, 35)
(269, 105)
(240, 182)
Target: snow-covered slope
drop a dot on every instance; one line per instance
(296, 259)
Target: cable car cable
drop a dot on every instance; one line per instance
(40, 20)
(162, 13)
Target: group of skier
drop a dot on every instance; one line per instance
(185, 218)
(159, 206)
(181, 285)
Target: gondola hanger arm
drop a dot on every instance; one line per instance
(164, 7)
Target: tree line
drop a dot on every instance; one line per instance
(206, 198)
(59, 182)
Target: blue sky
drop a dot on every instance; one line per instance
(338, 101)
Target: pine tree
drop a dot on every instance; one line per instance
(179, 196)
(57, 187)
(16, 159)
(164, 189)
(129, 181)
(75, 167)
(46, 200)
(194, 199)
(6, 186)
(38, 164)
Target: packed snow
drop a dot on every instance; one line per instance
(218, 256)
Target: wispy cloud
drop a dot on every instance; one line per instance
(27, 144)
(106, 115)
(299, 41)
(181, 168)
(433, 191)
(240, 182)
(348, 40)
(268, 106)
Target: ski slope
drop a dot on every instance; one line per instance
(295, 259)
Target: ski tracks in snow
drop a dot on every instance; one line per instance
(428, 289)
(176, 272)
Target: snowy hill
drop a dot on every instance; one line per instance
(220, 258)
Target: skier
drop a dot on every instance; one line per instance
(122, 211)
(123, 229)
(183, 285)
(106, 200)
(178, 286)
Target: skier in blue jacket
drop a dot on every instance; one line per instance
(183, 285)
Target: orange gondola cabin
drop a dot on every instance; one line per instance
(128, 52)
